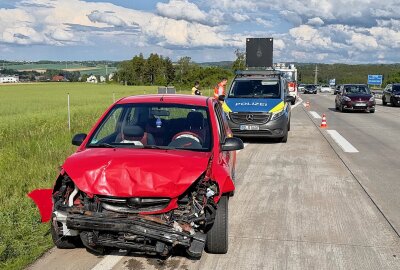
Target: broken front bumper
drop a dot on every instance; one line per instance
(158, 237)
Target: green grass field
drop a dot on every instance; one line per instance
(34, 142)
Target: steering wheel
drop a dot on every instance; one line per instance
(188, 135)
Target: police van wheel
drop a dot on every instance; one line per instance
(284, 138)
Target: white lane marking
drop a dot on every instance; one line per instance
(108, 262)
(342, 142)
(298, 103)
(315, 115)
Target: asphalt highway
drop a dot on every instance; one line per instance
(306, 204)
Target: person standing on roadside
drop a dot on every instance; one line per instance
(219, 90)
(196, 89)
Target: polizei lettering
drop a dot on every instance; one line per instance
(263, 104)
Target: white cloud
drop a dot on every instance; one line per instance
(181, 10)
(317, 21)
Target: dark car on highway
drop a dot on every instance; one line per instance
(355, 97)
(310, 89)
(391, 95)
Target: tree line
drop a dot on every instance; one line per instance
(159, 70)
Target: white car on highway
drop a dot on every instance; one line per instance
(325, 89)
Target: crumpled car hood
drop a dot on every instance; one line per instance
(135, 172)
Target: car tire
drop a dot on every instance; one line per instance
(285, 137)
(293, 102)
(392, 103)
(384, 103)
(217, 236)
(336, 107)
(64, 242)
(288, 127)
(342, 108)
(372, 111)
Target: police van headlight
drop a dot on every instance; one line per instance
(277, 115)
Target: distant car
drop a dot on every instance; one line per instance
(355, 97)
(310, 89)
(325, 89)
(154, 173)
(301, 87)
(391, 95)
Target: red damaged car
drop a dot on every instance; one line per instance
(154, 174)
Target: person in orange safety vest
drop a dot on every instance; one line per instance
(219, 90)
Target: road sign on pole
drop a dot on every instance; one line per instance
(375, 79)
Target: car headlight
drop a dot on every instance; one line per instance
(346, 99)
(277, 115)
(372, 99)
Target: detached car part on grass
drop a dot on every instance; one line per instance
(152, 196)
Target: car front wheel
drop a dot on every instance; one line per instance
(217, 236)
(384, 103)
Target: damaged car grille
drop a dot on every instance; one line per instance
(133, 205)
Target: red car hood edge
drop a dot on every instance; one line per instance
(135, 172)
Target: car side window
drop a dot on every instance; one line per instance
(220, 121)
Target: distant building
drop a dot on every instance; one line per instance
(92, 79)
(111, 77)
(102, 79)
(9, 79)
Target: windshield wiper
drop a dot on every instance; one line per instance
(158, 147)
(101, 145)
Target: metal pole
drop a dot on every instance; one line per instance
(69, 115)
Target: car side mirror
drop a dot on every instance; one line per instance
(232, 144)
(221, 98)
(289, 99)
(78, 139)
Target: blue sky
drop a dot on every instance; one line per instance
(328, 31)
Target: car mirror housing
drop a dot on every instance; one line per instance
(78, 139)
(289, 99)
(232, 144)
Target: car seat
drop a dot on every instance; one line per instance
(135, 134)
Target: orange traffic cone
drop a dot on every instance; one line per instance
(323, 123)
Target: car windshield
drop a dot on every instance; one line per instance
(154, 126)
(356, 89)
(255, 89)
(310, 86)
(396, 88)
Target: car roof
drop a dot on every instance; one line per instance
(355, 84)
(167, 99)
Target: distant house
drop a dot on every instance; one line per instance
(58, 78)
(9, 79)
(102, 79)
(92, 79)
(111, 76)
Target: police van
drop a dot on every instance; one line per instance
(258, 105)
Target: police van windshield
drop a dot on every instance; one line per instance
(255, 89)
